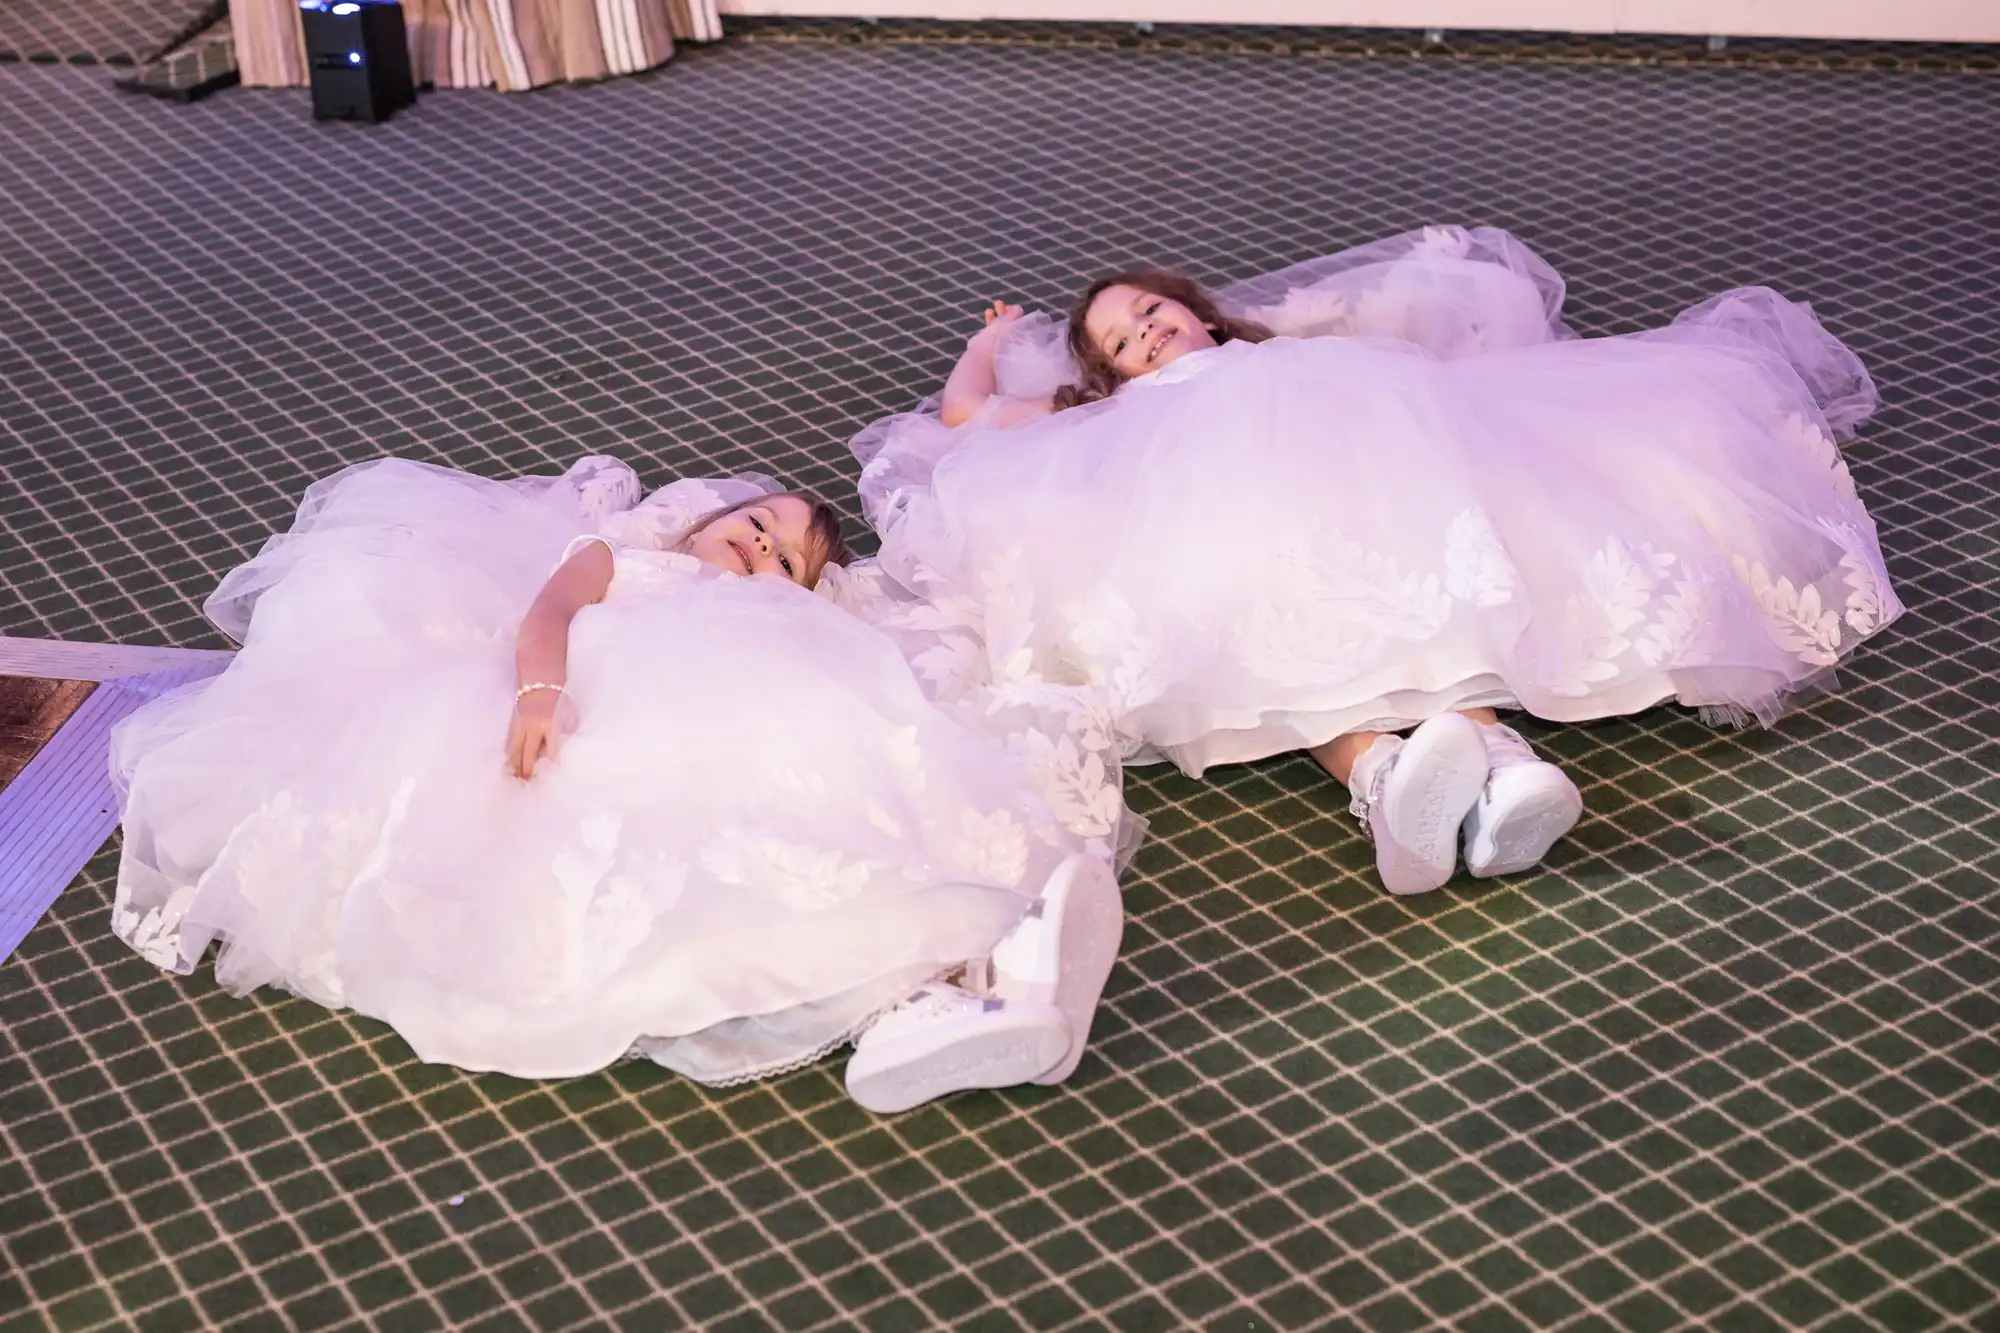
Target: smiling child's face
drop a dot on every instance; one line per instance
(1140, 331)
(769, 537)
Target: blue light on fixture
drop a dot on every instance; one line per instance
(353, 57)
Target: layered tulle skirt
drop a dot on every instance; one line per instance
(1263, 546)
(761, 833)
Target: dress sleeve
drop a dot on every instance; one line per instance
(639, 568)
(577, 544)
(603, 486)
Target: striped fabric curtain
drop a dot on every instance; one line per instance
(512, 45)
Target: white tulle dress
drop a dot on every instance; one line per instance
(762, 832)
(1425, 495)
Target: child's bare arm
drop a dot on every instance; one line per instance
(541, 654)
(973, 384)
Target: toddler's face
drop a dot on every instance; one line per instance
(768, 537)
(1140, 331)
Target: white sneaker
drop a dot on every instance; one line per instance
(1413, 794)
(945, 1039)
(1062, 951)
(1526, 808)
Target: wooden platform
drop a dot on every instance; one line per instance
(58, 703)
(32, 708)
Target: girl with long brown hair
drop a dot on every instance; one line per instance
(1389, 491)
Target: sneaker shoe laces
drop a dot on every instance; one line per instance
(936, 1001)
(1506, 747)
(1364, 784)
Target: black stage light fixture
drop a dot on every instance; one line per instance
(358, 55)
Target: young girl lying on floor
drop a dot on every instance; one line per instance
(723, 826)
(1385, 491)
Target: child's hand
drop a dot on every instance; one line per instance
(542, 720)
(999, 317)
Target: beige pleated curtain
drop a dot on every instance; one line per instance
(512, 45)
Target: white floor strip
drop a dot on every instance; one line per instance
(60, 809)
(58, 659)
